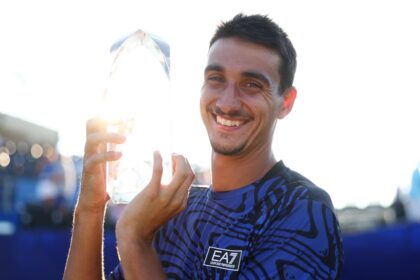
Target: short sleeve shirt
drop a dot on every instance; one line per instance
(279, 227)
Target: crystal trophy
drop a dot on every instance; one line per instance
(137, 104)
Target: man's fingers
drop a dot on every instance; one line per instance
(173, 158)
(172, 197)
(157, 170)
(179, 200)
(100, 125)
(100, 137)
(182, 180)
(179, 167)
(95, 125)
(96, 134)
(94, 140)
(99, 158)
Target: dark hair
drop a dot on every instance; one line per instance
(262, 30)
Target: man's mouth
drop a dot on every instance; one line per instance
(230, 123)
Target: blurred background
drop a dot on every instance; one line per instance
(354, 129)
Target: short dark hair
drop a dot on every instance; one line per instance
(260, 29)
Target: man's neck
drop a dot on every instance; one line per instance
(233, 172)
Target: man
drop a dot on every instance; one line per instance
(257, 220)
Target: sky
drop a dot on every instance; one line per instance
(353, 129)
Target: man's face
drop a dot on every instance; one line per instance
(240, 99)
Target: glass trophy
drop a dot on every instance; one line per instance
(137, 104)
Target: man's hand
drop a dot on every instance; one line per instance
(157, 203)
(148, 211)
(93, 195)
(85, 260)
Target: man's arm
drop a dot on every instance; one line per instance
(148, 211)
(84, 260)
(141, 218)
(85, 256)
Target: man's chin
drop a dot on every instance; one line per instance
(226, 150)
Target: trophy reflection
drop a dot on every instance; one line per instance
(137, 105)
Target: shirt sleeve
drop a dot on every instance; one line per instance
(301, 242)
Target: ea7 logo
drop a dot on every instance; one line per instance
(223, 258)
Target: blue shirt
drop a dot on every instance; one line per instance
(279, 227)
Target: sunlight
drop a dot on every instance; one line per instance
(353, 129)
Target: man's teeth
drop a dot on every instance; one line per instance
(226, 122)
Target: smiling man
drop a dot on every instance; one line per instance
(257, 220)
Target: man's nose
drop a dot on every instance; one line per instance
(229, 99)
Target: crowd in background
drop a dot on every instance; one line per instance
(41, 191)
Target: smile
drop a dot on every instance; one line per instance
(229, 123)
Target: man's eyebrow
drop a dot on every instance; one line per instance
(257, 76)
(213, 67)
(248, 74)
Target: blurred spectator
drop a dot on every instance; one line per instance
(202, 175)
(398, 206)
(413, 212)
(415, 183)
(50, 208)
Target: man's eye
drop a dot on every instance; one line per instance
(215, 79)
(253, 85)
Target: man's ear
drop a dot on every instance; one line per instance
(289, 96)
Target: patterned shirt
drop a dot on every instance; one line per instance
(279, 227)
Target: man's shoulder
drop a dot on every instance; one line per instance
(198, 192)
(296, 181)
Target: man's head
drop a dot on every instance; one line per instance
(263, 31)
(244, 90)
